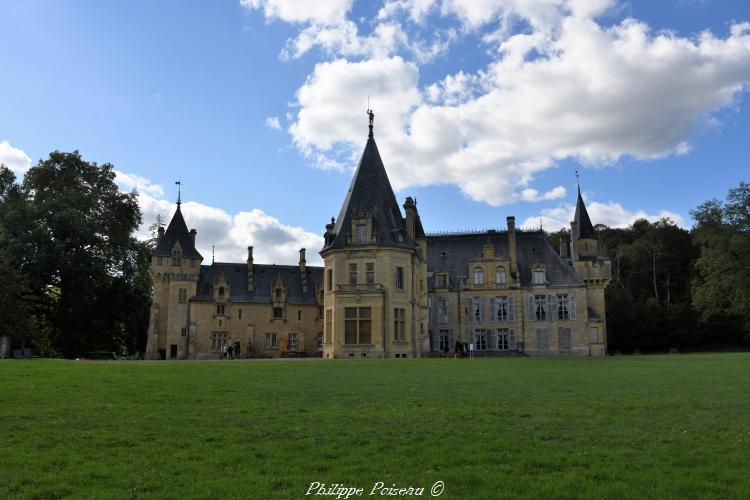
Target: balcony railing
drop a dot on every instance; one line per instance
(360, 287)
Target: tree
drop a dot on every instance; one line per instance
(721, 288)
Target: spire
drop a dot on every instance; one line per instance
(177, 232)
(582, 227)
(370, 196)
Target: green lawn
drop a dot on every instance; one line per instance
(623, 427)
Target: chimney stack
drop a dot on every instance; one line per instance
(563, 248)
(193, 232)
(250, 280)
(411, 217)
(160, 232)
(303, 269)
(511, 220)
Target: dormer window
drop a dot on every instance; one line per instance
(279, 293)
(478, 276)
(538, 277)
(176, 254)
(362, 236)
(221, 292)
(500, 276)
(442, 280)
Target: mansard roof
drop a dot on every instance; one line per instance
(264, 280)
(453, 253)
(177, 231)
(583, 228)
(370, 192)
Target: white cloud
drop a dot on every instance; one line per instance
(13, 158)
(273, 122)
(129, 182)
(610, 214)
(576, 90)
(325, 12)
(274, 242)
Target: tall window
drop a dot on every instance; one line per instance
(444, 340)
(478, 276)
(564, 339)
(272, 341)
(319, 342)
(221, 292)
(218, 341)
(594, 332)
(442, 310)
(442, 281)
(278, 313)
(292, 342)
(542, 340)
(176, 257)
(476, 310)
(182, 295)
(399, 321)
(500, 276)
(501, 308)
(329, 325)
(239, 313)
(220, 309)
(540, 307)
(362, 233)
(279, 293)
(400, 278)
(480, 339)
(357, 325)
(299, 315)
(563, 307)
(329, 280)
(370, 273)
(506, 339)
(538, 277)
(352, 274)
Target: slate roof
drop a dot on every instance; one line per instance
(584, 228)
(454, 252)
(177, 231)
(371, 191)
(264, 278)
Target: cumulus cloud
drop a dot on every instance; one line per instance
(322, 12)
(274, 242)
(273, 122)
(610, 214)
(129, 182)
(568, 88)
(14, 158)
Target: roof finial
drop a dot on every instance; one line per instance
(579, 183)
(213, 251)
(179, 186)
(370, 114)
(541, 225)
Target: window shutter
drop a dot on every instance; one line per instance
(553, 312)
(493, 309)
(481, 310)
(572, 305)
(511, 309)
(531, 307)
(512, 339)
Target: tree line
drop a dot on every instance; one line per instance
(75, 279)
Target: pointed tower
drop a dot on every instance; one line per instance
(175, 267)
(375, 298)
(596, 271)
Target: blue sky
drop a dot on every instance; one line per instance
(483, 108)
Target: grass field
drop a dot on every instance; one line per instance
(624, 427)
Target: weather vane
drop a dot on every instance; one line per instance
(179, 186)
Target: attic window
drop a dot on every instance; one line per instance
(362, 233)
(176, 254)
(278, 293)
(221, 292)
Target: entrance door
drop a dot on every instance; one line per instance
(173, 351)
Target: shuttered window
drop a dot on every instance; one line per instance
(542, 339)
(565, 342)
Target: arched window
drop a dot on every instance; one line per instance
(500, 276)
(478, 276)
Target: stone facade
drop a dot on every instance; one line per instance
(387, 290)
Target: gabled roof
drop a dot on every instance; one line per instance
(371, 192)
(583, 227)
(177, 231)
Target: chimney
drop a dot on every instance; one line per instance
(411, 217)
(511, 220)
(160, 232)
(563, 248)
(573, 232)
(303, 269)
(193, 232)
(250, 281)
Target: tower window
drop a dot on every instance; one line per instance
(370, 273)
(278, 313)
(357, 325)
(400, 278)
(329, 280)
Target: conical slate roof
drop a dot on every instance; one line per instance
(583, 227)
(177, 231)
(371, 192)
